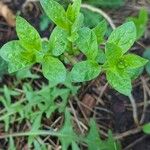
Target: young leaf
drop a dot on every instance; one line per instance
(55, 12)
(140, 22)
(100, 31)
(16, 56)
(134, 61)
(53, 69)
(58, 41)
(28, 36)
(85, 71)
(87, 43)
(146, 128)
(101, 57)
(73, 10)
(11, 144)
(3, 67)
(120, 81)
(112, 52)
(93, 140)
(134, 73)
(67, 130)
(75, 28)
(75, 146)
(111, 143)
(124, 36)
(95, 143)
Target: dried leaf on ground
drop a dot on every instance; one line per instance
(7, 14)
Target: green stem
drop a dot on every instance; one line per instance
(72, 60)
(40, 133)
(30, 133)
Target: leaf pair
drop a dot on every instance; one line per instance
(22, 52)
(88, 43)
(120, 67)
(58, 14)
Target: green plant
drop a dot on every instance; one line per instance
(44, 22)
(32, 105)
(3, 67)
(108, 3)
(146, 128)
(140, 22)
(146, 55)
(69, 39)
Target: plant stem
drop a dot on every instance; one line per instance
(72, 60)
(30, 133)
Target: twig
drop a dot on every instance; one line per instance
(145, 88)
(76, 118)
(101, 12)
(135, 115)
(135, 142)
(128, 133)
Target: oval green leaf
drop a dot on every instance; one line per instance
(85, 71)
(28, 36)
(53, 70)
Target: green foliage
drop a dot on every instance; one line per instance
(140, 22)
(94, 141)
(124, 36)
(34, 105)
(92, 19)
(108, 3)
(58, 41)
(44, 22)
(73, 10)
(70, 38)
(56, 13)
(85, 71)
(100, 31)
(117, 64)
(16, 56)
(67, 129)
(23, 28)
(146, 128)
(87, 43)
(26, 73)
(146, 55)
(3, 67)
(54, 70)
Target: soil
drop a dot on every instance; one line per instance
(111, 109)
